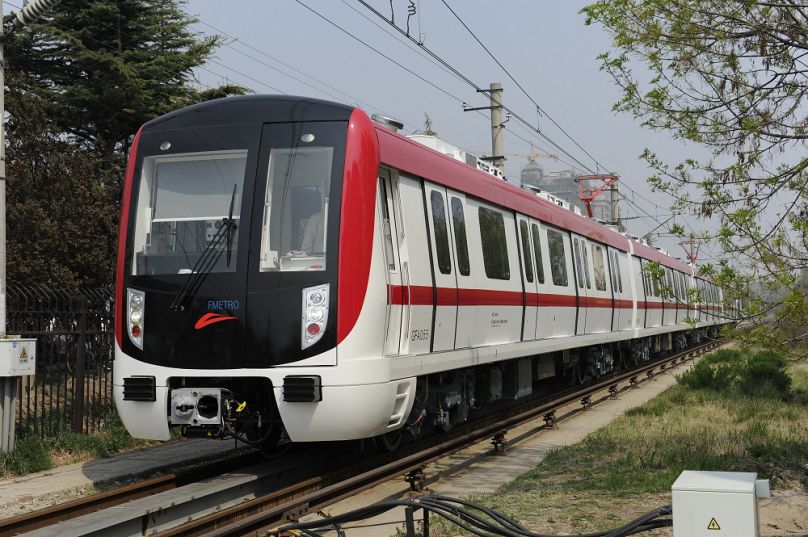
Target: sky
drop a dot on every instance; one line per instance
(284, 46)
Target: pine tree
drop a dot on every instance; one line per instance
(106, 67)
(81, 82)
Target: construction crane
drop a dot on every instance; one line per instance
(533, 156)
(587, 191)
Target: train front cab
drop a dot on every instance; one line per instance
(245, 257)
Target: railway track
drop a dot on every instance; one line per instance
(251, 519)
(104, 500)
(281, 492)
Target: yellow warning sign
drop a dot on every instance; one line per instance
(713, 525)
(23, 354)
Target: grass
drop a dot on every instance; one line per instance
(748, 418)
(35, 454)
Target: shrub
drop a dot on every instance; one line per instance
(762, 374)
(723, 356)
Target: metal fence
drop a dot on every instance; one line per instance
(72, 388)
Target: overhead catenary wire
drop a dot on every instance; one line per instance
(522, 124)
(518, 85)
(476, 87)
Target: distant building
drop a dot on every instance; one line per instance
(563, 184)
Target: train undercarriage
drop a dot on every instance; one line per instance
(244, 408)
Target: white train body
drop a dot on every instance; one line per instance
(431, 269)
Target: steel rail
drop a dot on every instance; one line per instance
(256, 516)
(89, 504)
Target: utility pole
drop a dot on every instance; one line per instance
(497, 127)
(615, 205)
(30, 12)
(497, 157)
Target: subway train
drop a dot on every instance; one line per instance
(293, 270)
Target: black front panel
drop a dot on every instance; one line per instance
(246, 309)
(274, 326)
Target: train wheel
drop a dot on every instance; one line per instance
(389, 442)
(276, 443)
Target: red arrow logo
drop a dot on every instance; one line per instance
(211, 318)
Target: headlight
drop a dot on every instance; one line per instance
(135, 306)
(315, 314)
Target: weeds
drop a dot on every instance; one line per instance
(35, 454)
(733, 411)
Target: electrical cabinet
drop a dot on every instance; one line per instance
(17, 357)
(716, 504)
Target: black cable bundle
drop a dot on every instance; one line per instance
(474, 518)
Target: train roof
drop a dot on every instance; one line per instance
(415, 158)
(407, 155)
(253, 109)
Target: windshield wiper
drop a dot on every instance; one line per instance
(230, 228)
(207, 260)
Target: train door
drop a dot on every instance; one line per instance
(558, 299)
(497, 292)
(653, 304)
(583, 281)
(544, 318)
(529, 280)
(396, 308)
(443, 269)
(614, 271)
(600, 301)
(640, 305)
(416, 273)
(463, 274)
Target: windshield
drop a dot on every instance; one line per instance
(296, 208)
(183, 201)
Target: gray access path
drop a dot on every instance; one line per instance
(37, 491)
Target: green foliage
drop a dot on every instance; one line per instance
(81, 81)
(105, 68)
(30, 454)
(760, 374)
(62, 223)
(731, 80)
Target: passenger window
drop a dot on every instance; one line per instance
(599, 268)
(441, 233)
(459, 221)
(495, 246)
(617, 275)
(386, 226)
(612, 271)
(586, 265)
(558, 258)
(526, 250)
(537, 252)
(579, 264)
